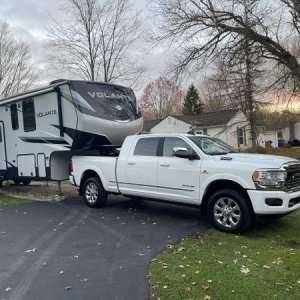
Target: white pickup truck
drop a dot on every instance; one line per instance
(199, 170)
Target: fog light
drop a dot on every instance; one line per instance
(274, 202)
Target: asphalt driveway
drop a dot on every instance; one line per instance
(65, 250)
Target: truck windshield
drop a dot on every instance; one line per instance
(211, 146)
(106, 101)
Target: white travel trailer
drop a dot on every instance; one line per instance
(41, 129)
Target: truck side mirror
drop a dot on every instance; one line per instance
(183, 153)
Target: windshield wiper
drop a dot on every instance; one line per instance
(218, 153)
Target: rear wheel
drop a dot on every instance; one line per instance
(230, 211)
(25, 181)
(21, 181)
(17, 181)
(93, 193)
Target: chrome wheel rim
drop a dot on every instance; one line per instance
(227, 212)
(91, 192)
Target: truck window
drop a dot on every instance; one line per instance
(173, 142)
(146, 147)
(14, 117)
(28, 115)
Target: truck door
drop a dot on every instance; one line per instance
(2, 150)
(141, 168)
(178, 178)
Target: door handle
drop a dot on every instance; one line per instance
(165, 165)
(131, 163)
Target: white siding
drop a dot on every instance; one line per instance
(228, 132)
(286, 132)
(297, 131)
(171, 125)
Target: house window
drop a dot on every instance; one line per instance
(14, 117)
(205, 131)
(240, 136)
(28, 115)
(0, 134)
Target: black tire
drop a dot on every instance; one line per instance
(229, 210)
(21, 181)
(93, 193)
(17, 181)
(25, 181)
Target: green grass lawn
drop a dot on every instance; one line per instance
(284, 151)
(11, 201)
(264, 263)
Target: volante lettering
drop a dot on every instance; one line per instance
(47, 113)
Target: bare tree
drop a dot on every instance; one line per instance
(161, 98)
(213, 94)
(95, 39)
(199, 27)
(16, 70)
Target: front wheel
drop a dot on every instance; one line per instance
(93, 193)
(230, 211)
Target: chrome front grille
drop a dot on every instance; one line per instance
(292, 181)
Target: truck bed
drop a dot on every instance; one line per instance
(104, 166)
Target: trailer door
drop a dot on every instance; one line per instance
(2, 150)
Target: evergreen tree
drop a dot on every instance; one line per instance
(192, 102)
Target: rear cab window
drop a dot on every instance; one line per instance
(146, 147)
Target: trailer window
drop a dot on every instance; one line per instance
(28, 115)
(14, 117)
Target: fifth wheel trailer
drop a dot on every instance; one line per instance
(41, 129)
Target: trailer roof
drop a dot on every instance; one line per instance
(45, 89)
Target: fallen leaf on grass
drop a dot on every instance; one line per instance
(165, 286)
(245, 270)
(266, 267)
(30, 250)
(179, 250)
(206, 297)
(278, 261)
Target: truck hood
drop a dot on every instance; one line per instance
(256, 160)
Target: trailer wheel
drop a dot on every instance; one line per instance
(93, 193)
(21, 181)
(25, 181)
(230, 211)
(17, 181)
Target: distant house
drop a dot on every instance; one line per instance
(292, 132)
(231, 126)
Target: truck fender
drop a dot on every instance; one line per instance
(224, 177)
(97, 171)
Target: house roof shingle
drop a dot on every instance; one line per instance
(150, 124)
(209, 119)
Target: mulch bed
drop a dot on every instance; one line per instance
(42, 191)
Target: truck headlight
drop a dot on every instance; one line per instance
(269, 178)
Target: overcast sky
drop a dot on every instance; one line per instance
(28, 20)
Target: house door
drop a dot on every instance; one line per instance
(2, 150)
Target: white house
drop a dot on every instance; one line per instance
(292, 132)
(231, 126)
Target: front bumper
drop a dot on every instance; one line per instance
(290, 202)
